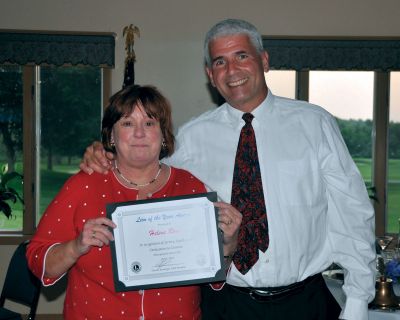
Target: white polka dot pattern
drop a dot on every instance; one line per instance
(90, 293)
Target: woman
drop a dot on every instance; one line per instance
(73, 234)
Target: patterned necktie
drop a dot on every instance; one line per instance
(248, 198)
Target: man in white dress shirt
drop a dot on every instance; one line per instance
(317, 205)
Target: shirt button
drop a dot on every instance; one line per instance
(140, 292)
(267, 260)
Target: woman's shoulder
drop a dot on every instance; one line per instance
(83, 180)
(182, 173)
(80, 186)
(184, 176)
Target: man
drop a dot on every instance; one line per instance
(316, 208)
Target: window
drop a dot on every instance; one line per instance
(70, 108)
(52, 89)
(282, 82)
(373, 64)
(11, 126)
(393, 198)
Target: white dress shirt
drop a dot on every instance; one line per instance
(317, 204)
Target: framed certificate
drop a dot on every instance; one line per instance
(166, 242)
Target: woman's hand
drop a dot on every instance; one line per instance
(229, 221)
(96, 159)
(95, 233)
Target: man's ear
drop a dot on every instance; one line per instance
(210, 76)
(265, 60)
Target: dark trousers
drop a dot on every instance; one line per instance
(313, 302)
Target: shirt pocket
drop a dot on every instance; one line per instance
(300, 183)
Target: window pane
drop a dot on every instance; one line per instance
(282, 82)
(11, 143)
(70, 119)
(348, 95)
(393, 205)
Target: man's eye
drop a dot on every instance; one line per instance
(242, 56)
(218, 63)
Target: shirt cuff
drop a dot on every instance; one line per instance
(218, 286)
(354, 309)
(46, 282)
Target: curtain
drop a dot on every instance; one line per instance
(333, 54)
(57, 48)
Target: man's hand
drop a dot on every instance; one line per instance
(96, 159)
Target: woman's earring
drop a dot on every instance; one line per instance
(164, 150)
(112, 144)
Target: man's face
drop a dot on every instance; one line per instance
(237, 71)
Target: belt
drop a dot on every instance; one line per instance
(275, 293)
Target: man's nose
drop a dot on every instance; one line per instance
(231, 67)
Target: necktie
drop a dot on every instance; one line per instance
(248, 198)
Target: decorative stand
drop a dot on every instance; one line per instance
(129, 72)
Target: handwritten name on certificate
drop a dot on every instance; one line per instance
(166, 242)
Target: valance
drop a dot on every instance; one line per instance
(57, 48)
(333, 54)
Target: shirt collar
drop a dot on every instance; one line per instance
(235, 115)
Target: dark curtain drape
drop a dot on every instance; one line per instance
(336, 54)
(57, 48)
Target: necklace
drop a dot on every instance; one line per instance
(138, 184)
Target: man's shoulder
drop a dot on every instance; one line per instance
(299, 107)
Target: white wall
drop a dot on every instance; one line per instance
(169, 52)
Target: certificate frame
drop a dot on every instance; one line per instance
(156, 258)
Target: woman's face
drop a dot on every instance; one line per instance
(137, 139)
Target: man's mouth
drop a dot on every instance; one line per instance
(237, 83)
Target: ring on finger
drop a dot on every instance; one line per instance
(93, 234)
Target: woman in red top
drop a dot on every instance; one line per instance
(73, 235)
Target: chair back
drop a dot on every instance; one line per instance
(20, 285)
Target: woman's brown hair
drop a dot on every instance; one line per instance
(156, 106)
